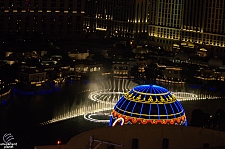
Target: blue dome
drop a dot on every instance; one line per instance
(149, 104)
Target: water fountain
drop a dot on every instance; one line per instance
(104, 95)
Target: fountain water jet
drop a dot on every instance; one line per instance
(106, 94)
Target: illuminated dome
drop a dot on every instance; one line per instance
(148, 104)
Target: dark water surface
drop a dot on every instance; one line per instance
(21, 114)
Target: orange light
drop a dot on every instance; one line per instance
(58, 142)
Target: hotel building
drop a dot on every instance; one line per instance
(48, 18)
(170, 24)
(189, 22)
(166, 23)
(116, 18)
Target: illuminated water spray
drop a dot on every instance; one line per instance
(106, 94)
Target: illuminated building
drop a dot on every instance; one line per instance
(48, 18)
(32, 76)
(163, 23)
(116, 18)
(211, 73)
(171, 74)
(158, 22)
(174, 74)
(121, 69)
(148, 104)
(78, 55)
(87, 66)
(199, 22)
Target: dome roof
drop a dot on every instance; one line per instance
(148, 104)
(215, 63)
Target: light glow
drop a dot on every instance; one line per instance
(120, 120)
(107, 94)
(101, 29)
(138, 111)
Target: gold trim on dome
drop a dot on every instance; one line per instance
(150, 100)
(147, 114)
(142, 93)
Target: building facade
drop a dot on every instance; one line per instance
(121, 69)
(161, 23)
(116, 18)
(197, 22)
(47, 18)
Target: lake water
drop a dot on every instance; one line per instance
(21, 114)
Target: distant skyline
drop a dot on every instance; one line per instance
(50, 19)
(164, 23)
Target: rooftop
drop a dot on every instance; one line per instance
(149, 136)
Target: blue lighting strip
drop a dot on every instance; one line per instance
(151, 90)
(158, 104)
(141, 88)
(172, 110)
(133, 109)
(144, 89)
(162, 90)
(181, 108)
(150, 104)
(159, 90)
(141, 110)
(154, 90)
(158, 112)
(149, 111)
(126, 107)
(147, 88)
(177, 107)
(122, 104)
(118, 103)
(165, 106)
(135, 94)
(174, 114)
(166, 111)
